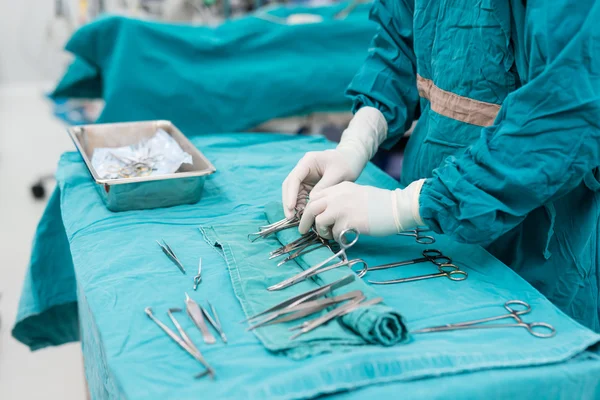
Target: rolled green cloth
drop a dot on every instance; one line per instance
(378, 324)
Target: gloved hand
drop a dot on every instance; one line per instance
(322, 169)
(370, 210)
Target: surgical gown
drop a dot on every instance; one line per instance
(507, 97)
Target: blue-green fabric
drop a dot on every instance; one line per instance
(527, 186)
(378, 324)
(227, 78)
(252, 273)
(120, 270)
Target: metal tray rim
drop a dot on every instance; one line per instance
(120, 181)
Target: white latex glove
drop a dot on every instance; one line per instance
(322, 169)
(370, 210)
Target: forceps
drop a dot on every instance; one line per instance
(431, 255)
(449, 271)
(171, 254)
(304, 309)
(184, 342)
(417, 234)
(322, 267)
(306, 296)
(268, 230)
(336, 312)
(544, 330)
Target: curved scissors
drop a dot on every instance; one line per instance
(544, 330)
(431, 255)
(417, 234)
(323, 266)
(447, 270)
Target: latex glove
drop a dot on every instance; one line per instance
(370, 210)
(322, 169)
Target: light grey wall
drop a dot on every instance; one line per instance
(31, 41)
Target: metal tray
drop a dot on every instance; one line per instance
(183, 187)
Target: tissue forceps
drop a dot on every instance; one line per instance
(417, 234)
(306, 296)
(268, 230)
(300, 243)
(336, 312)
(171, 254)
(544, 330)
(183, 344)
(304, 309)
(215, 322)
(449, 271)
(322, 267)
(197, 316)
(431, 255)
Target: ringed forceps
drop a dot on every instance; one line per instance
(323, 266)
(537, 329)
(419, 237)
(443, 263)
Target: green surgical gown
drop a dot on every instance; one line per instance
(507, 97)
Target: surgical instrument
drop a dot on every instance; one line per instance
(195, 313)
(306, 296)
(169, 253)
(323, 266)
(268, 230)
(304, 309)
(215, 322)
(431, 255)
(417, 234)
(544, 330)
(183, 344)
(198, 278)
(337, 312)
(333, 247)
(449, 271)
(300, 243)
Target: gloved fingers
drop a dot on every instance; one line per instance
(329, 179)
(290, 188)
(311, 211)
(324, 222)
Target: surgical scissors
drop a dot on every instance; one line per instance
(322, 267)
(545, 330)
(417, 234)
(431, 255)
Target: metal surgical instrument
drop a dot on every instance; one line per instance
(169, 253)
(430, 255)
(449, 271)
(195, 313)
(268, 230)
(337, 312)
(304, 309)
(306, 296)
(544, 330)
(214, 321)
(417, 234)
(198, 278)
(323, 266)
(182, 342)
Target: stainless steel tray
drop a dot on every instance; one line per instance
(182, 187)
